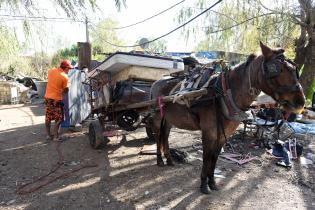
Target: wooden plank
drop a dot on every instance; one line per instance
(165, 99)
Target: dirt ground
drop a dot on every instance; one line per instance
(124, 179)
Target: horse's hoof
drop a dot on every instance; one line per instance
(213, 186)
(205, 189)
(160, 163)
(169, 162)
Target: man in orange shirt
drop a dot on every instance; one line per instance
(57, 85)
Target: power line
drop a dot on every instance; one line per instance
(240, 23)
(219, 13)
(38, 18)
(144, 20)
(164, 35)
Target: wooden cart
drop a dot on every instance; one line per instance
(120, 93)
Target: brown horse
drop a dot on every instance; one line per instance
(270, 72)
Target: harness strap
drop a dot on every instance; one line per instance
(229, 107)
(197, 82)
(218, 121)
(227, 95)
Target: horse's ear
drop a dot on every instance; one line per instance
(266, 51)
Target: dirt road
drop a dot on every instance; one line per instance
(123, 179)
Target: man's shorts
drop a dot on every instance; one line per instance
(54, 110)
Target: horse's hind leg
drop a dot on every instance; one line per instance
(166, 129)
(206, 164)
(156, 123)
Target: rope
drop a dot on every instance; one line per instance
(22, 189)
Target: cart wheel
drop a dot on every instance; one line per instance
(96, 135)
(149, 133)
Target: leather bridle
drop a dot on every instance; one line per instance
(272, 70)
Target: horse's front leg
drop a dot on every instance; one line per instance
(213, 161)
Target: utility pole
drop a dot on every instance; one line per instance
(85, 50)
(87, 29)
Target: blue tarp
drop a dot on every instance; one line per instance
(303, 128)
(208, 55)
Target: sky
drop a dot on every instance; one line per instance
(69, 33)
(138, 10)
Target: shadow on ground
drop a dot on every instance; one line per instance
(124, 179)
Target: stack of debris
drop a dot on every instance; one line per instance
(19, 89)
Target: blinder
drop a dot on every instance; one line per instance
(272, 69)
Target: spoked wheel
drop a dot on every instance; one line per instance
(96, 138)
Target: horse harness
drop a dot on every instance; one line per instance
(272, 70)
(217, 86)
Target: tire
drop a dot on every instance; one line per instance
(96, 138)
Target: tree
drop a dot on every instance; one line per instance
(9, 48)
(70, 53)
(158, 46)
(243, 27)
(305, 44)
(104, 39)
(71, 7)
(240, 25)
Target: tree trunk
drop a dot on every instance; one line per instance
(309, 65)
(305, 45)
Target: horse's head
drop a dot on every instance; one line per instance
(280, 79)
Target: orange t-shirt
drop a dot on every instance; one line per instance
(57, 81)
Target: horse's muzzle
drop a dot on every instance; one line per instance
(295, 106)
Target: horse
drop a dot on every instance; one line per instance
(270, 72)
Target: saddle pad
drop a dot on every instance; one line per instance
(197, 78)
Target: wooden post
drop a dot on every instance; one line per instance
(84, 55)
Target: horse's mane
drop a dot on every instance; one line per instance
(244, 65)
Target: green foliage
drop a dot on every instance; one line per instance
(238, 26)
(73, 8)
(159, 46)
(98, 57)
(102, 36)
(66, 53)
(39, 64)
(310, 91)
(9, 49)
